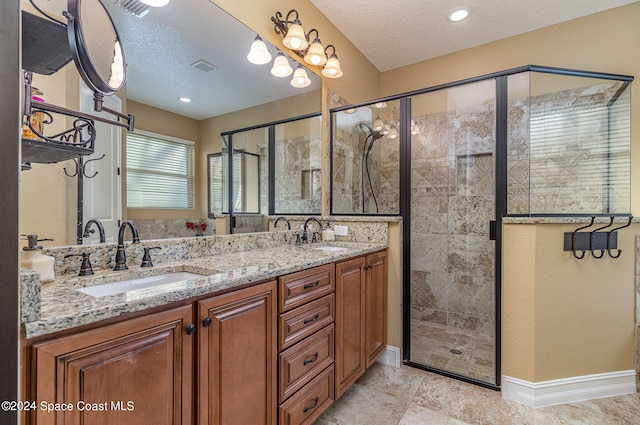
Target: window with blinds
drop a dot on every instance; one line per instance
(160, 171)
(580, 151)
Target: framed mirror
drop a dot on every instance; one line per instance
(96, 46)
(197, 51)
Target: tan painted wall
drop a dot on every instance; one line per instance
(562, 317)
(159, 121)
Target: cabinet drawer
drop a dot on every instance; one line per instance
(297, 324)
(305, 406)
(300, 363)
(299, 288)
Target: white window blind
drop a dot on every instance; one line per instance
(160, 171)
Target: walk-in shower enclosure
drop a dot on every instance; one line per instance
(453, 160)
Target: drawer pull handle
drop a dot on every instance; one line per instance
(312, 360)
(313, 406)
(313, 285)
(314, 319)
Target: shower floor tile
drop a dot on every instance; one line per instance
(472, 356)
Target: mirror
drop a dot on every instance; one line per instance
(195, 50)
(95, 46)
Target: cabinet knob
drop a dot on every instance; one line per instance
(190, 329)
(207, 322)
(313, 406)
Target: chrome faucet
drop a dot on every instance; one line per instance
(305, 236)
(87, 233)
(275, 223)
(121, 257)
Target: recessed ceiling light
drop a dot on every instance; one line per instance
(185, 99)
(459, 14)
(155, 3)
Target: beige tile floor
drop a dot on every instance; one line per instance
(385, 395)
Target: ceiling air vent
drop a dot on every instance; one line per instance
(133, 6)
(203, 65)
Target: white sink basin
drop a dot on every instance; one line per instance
(331, 248)
(140, 283)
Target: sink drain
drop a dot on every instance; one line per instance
(454, 351)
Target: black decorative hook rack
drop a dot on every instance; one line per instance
(80, 168)
(595, 240)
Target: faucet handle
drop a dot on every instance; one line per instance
(146, 257)
(85, 267)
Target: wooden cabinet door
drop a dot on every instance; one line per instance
(134, 372)
(237, 357)
(350, 362)
(376, 306)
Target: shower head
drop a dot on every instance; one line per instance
(367, 129)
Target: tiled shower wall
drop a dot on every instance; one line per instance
(298, 178)
(452, 276)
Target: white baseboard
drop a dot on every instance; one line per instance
(390, 356)
(569, 390)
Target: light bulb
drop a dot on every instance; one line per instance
(259, 54)
(281, 67)
(300, 78)
(332, 68)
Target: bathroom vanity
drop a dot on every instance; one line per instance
(266, 336)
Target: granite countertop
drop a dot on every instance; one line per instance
(63, 307)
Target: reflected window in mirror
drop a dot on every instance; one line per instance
(160, 171)
(246, 183)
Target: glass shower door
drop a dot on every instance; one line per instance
(452, 254)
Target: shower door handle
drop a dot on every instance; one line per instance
(493, 230)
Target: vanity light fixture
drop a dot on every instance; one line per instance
(281, 67)
(459, 14)
(300, 78)
(155, 3)
(310, 50)
(259, 54)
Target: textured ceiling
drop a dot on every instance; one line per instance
(396, 33)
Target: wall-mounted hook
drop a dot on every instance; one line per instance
(574, 236)
(610, 232)
(76, 171)
(591, 239)
(84, 167)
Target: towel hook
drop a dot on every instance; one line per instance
(591, 245)
(609, 238)
(573, 238)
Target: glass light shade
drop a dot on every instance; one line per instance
(315, 55)
(380, 105)
(332, 68)
(155, 3)
(259, 53)
(117, 68)
(300, 78)
(281, 67)
(378, 124)
(393, 134)
(295, 38)
(385, 130)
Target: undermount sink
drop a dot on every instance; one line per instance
(331, 248)
(140, 283)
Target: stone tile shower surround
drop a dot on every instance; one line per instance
(452, 276)
(298, 180)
